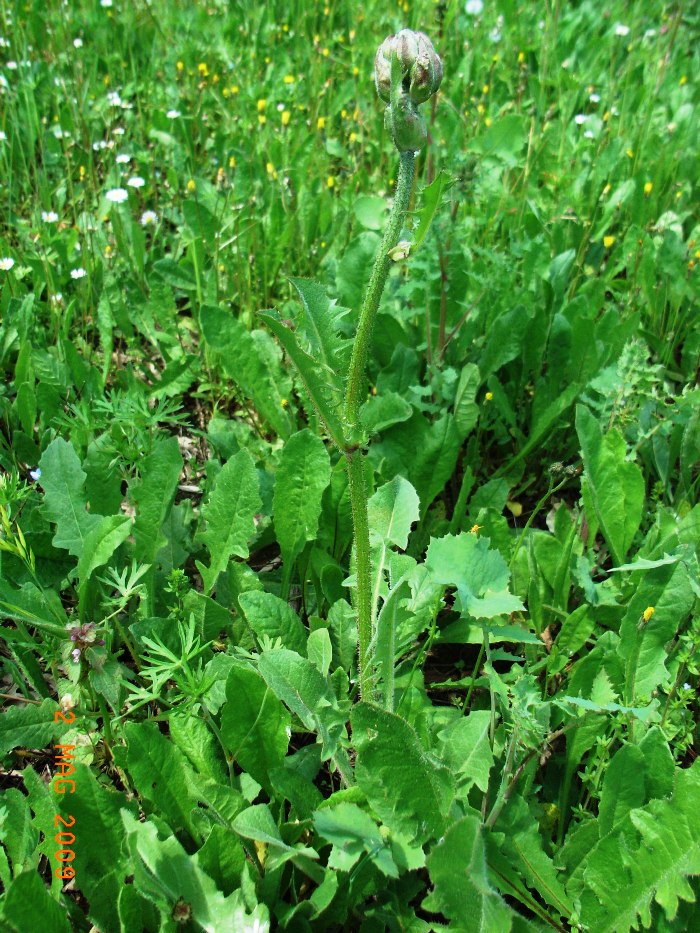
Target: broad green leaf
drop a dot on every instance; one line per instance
(175, 274)
(254, 725)
(321, 324)
(479, 574)
(29, 726)
(160, 774)
(314, 377)
(319, 650)
(521, 846)
(353, 832)
(431, 198)
(271, 617)
(643, 645)
(466, 410)
(30, 604)
(467, 751)
(249, 361)
(200, 220)
(504, 141)
(616, 485)
(305, 691)
(303, 474)
(382, 411)
(410, 792)
(100, 544)
(370, 211)
(623, 788)
(100, 868)
(462, 889)
(166, 874)
(623, 878)
(153, 497)
(222, 857)
(424, 452)
(257, 823)
(229, 514)
(65, 499)
(196, 741)
(19, 836)
(27, 905)
(392, 510)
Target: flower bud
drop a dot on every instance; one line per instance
(406, 125)
(421, 68)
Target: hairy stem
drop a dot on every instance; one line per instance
(353, 397)
(375, 287)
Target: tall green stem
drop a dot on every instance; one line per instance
(353, 397)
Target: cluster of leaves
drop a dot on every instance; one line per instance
(176, 575)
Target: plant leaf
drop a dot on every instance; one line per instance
(411, 792)
(229, 514)
(254, 725)
(616, 485)
(65, 499)
(317, 381)
(479, 573)
(303, 474)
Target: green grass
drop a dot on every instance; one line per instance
(165, 169)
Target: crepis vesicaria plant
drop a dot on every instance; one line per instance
(407, 72)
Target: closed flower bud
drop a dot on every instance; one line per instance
(421, 68)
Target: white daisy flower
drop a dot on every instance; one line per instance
(6, 263)
(148, 218)
(77, 43)
(49, 217)
(173, 114)
(580, 119)
(78, 273)
(474, 7)
(123, 158)
(621, 29)
(136, 182)
(117, 195)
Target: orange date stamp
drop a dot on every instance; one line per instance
(63, 783)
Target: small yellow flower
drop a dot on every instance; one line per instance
(487, 121)
(202, 69)
(262, 119)
(486, 88)
(352, 137)
(488, 397)
(191, 185)
(630, 153)
(269, 168)
(321, 123)
(262, 103)
(684, 80)
(289, 79)
(330, 181)
(697, 253)
(286, 116)
(606, 116)
(326, 53)
(475, 529)
(481, 109)
(521, 57)
(648, 187)
(343, 114)
(180, 66)
(232, 162)
(284, 402)
(648, 613)
(234, 89)
(225, 91)
(608, 241)
(355, 71)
